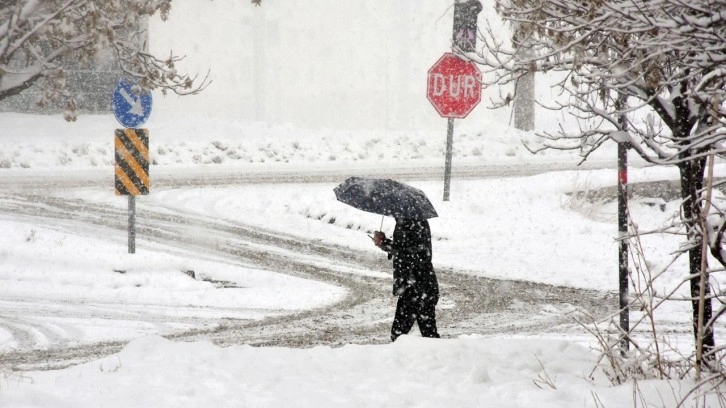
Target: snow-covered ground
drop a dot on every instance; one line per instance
(524, 228)
(305, 101)
(413, 372)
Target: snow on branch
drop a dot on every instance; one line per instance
(667, 59)
(39, 40)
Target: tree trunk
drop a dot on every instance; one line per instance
(524, 103)
(524, 95)
(692, 173)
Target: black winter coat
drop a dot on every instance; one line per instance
(410, 250)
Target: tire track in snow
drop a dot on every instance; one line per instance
(469, 304)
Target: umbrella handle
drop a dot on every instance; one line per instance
(381, 228)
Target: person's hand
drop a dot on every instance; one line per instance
(378, 238)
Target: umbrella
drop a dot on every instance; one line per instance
(385, 197)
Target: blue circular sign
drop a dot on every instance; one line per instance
(130, 107)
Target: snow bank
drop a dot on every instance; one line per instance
(466, 372)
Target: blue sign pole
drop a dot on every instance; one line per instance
(132, 108)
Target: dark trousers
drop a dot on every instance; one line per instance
(414, 307)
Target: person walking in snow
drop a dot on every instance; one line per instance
(414, 280)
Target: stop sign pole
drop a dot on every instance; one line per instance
(449, 153)
(454, 89)
(454, 85)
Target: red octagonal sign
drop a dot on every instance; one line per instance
(454, 86)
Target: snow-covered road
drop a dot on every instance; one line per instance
(55, 179)
(470, 303)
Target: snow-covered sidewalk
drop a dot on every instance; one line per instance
(413, 372)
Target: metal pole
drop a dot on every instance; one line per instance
(132, 224)
(622, 231)
(447, 167)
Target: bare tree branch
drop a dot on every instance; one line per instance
(40, 38)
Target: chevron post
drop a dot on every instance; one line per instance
(132, 162)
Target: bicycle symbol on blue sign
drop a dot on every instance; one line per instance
(131, 108)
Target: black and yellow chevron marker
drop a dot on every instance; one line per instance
(132, 161)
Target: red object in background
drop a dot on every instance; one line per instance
(454, 86)
(623, 176)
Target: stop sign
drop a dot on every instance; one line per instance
(454, 86)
